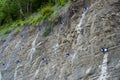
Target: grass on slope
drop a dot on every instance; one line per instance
(43, 13)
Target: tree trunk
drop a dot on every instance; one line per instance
(20, 9)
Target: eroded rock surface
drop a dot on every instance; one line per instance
(72, 50)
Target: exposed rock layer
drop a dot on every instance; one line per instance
(100, 27)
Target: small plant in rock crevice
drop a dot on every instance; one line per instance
(47, 31)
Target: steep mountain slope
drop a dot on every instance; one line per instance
(72, 50)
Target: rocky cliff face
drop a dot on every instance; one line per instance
(72, 50)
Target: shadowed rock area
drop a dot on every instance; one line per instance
(72, 50)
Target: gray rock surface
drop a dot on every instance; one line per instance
(82, 38)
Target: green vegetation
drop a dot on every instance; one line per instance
(61, 2)
(47, 30)
(14, 13)
(16, 30)
(4, 30)
(46, 11)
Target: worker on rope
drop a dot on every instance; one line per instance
(4, 40)
(103, 50)
(19, 61)
(67, 54)
(84, 5)
(3, 65)
(39, 28)
(43, 59)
